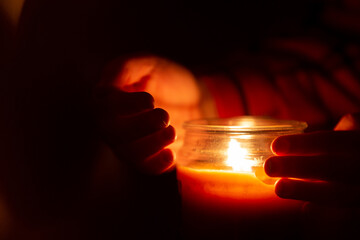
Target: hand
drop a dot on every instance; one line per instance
(130, 124)
(173, 87)
(322, 168)
(135, 130)
(325, 165)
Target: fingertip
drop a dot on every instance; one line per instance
(167, 159)
(146, 98)
(164, 116)
(160, 163)
(270, 167)
(168, 153)
(348, 122)
(171, 160)
(280, 145)
(114, 100)
(171, 132)
(279, 187)
(283, 187)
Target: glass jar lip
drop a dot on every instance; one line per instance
(244, 124)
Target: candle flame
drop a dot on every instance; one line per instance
(237, 157)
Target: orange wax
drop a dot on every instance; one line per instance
(219, 202)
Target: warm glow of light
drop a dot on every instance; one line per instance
(236, 157)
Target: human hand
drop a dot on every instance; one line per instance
(130, 124)
(135, 130)
(319, 167)
(173, 87)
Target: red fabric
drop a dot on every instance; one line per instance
(311, 82)
(227, 99)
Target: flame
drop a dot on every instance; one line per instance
(237, 158)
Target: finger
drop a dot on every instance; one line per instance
(318, 191)
(113, 101)
(158, 163)
(322, 167)
(349, 122)
(326, 142)
(147, 146)
(124, 129)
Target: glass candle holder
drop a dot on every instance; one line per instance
(225, 192)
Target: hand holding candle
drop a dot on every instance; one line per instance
(223, 191)
(172, 86)
(137, 132)
(326, 165)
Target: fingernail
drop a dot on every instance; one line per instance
(280, 146)
(271, 167)
(164, 117)
(170, 132)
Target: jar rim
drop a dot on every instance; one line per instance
(244, 124)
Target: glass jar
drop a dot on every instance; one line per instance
(221, 178)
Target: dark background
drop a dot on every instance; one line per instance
(49, 140)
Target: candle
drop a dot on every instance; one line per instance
(225, 192)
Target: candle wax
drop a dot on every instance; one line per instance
(232, 204)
